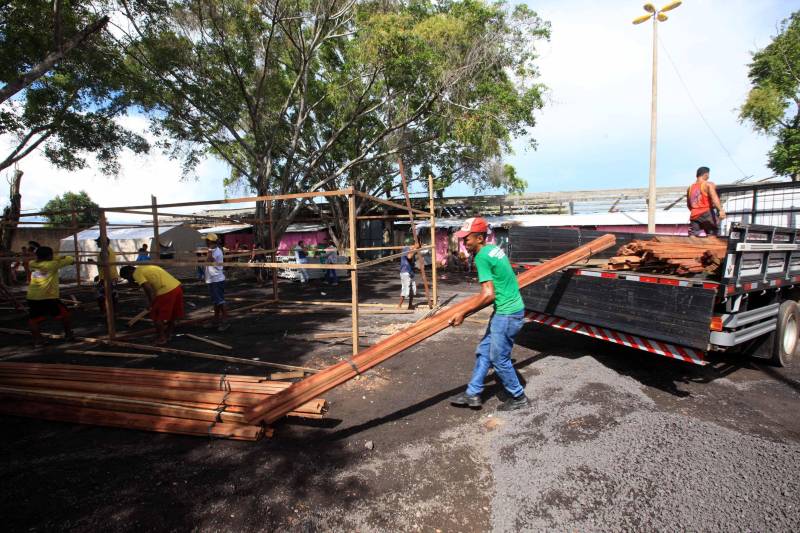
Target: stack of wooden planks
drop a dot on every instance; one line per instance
(671, 255)
(188, 403)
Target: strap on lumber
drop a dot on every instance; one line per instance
(353, 365)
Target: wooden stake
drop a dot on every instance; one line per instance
(107, 286)
(155, 248)
(209, 341)
(112, 354)
(433, 242)
(420, 259)
(75, 246)
(351, 205)
(138, 317)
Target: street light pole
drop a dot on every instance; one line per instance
(657, 16)
(651, 187)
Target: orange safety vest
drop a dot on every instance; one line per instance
(698, 201)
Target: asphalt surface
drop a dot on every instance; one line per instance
(614, 439)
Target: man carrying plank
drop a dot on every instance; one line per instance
(43, 293)
(164, 294)
(499, 286)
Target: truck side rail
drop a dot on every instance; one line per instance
(760, 257)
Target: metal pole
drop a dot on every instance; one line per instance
(107, 286)
(351, 215)
(651, 193)
(435, 288)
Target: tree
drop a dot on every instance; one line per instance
(301, 95)
(68, 83)
(60, 209)
(773, 104)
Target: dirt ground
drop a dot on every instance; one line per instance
(614, 438)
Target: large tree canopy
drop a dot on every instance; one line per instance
(773, 105)
(304, 95)
(68, 110)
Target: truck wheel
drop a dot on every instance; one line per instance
(786, 334)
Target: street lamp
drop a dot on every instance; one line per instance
(658, 15)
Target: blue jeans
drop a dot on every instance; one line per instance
(331, 277)
(495, 350)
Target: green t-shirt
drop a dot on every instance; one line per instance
(493, 265)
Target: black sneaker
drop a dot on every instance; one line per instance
(465, 400)
(512, 404)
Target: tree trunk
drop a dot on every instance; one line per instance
(10, 220)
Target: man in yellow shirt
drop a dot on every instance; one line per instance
(164, 294)
(43, 293)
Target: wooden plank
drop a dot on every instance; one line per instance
(138, 317)
(112, 354)
(207, 341)
(351, 213)
(277, 405)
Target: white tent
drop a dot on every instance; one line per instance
(127, 241)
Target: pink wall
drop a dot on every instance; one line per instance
(290, 240)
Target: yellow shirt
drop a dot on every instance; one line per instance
(44, 278)
(112, 258)
(158, 278)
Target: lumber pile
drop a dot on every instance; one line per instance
(278, 405)
(187, 403)
(671, 255)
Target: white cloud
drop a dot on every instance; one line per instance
(139, 177)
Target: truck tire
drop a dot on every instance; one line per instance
(786, 334)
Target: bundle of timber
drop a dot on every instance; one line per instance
(188, 403)
(671, 255)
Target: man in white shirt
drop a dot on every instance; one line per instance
(215, 279)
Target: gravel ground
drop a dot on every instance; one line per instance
(594, 453)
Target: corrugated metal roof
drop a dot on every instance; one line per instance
(628, 218)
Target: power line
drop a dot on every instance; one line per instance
(699, 112)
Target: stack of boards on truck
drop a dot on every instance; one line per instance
(672, 295)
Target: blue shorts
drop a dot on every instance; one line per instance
(217, 292)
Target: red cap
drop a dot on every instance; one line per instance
(473, 225)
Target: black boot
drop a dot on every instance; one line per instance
(465, 400)
(512, 404)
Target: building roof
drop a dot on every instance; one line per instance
(122, 233)
(628, 218)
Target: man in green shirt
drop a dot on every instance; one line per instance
(498, 286)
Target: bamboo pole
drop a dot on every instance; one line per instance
(273, 256)
(281, 403)
(420, 259)
(208, 341)
(155, 247)
(107, 286)
(434, 281)
(351, 214)
(75, 247)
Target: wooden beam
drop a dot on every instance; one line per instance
(283, 402)
(351, 213)
(371, 198)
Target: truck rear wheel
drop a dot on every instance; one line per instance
(786, 334)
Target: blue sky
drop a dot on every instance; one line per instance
(595, 128)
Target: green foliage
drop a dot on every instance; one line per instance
(773, 105)
(71, 110)
(302, 96)
(88, 212)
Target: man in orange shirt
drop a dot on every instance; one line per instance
(699, 199)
